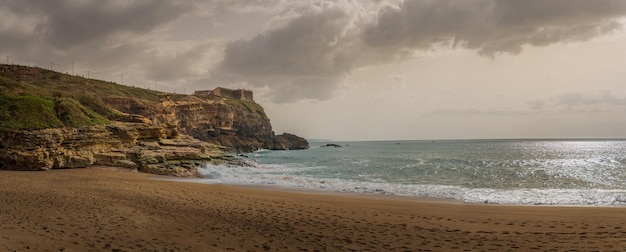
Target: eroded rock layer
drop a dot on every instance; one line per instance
(137, 146)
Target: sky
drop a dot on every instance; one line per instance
(354, 70)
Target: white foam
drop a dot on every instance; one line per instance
(280, 175)
(595, 197)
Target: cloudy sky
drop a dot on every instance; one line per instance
(354, 70)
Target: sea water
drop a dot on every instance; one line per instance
(522, 172)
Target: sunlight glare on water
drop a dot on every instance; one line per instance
(500, 171)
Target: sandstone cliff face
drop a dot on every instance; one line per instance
(137, 146)
(241, 125)
(50, 120)
(238, 124)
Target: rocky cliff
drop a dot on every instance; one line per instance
(136, 146)
(50, 120)
(238, 124)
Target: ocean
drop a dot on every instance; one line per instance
(519, 172)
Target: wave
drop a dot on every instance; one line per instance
(281, 175)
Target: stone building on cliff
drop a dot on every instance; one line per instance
(240, 94)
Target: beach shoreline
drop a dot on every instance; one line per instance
(313, 191)
(324, 191)
(98, 209)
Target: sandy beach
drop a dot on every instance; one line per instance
(104, 210)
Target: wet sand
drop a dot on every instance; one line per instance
(103, 210)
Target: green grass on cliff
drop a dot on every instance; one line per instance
(96, 105)
(35, 98)
(27, 112)
(30, 112)
(46, 83)
(72, 113)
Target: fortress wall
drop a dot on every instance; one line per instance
(240, 94)
(246, 95)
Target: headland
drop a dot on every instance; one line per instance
(50, 120)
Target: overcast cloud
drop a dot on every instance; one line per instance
(304, 52)
(323, 45)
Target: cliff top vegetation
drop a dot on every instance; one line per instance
(35, 98)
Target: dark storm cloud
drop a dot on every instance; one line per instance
(323, 47)
(306, 52)
(300, 60)
(67, 23)
(178, 63)
(113, 37)
(104, 37)
(491, 26)
(303, 47)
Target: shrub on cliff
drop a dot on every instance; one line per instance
(72, 113)
(8, 85)
(97, 105)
